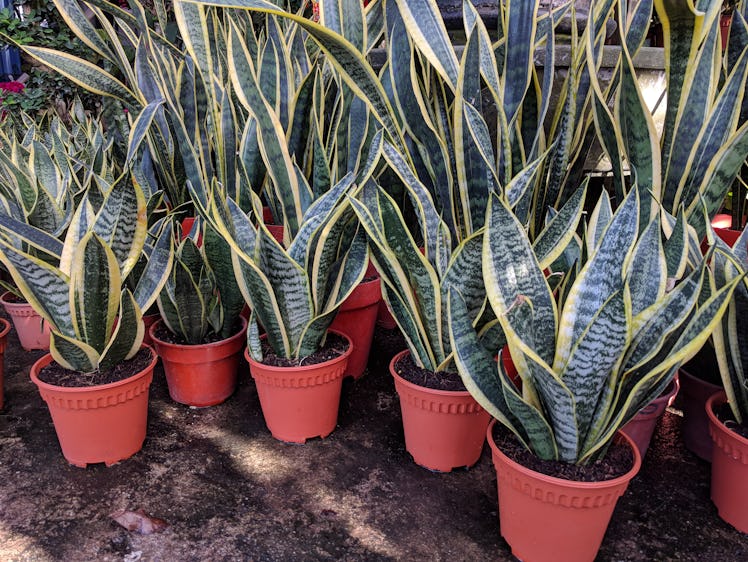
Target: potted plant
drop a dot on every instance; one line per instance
(96, 377)
(727, 410)
(201, 334)
(590, 355)
(297, 364)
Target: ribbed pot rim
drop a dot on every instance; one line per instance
(46, 359)
(718, 399)
(620, 480)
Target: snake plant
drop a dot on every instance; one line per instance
(601, 347)
(78, 286)
(200, 297)
(704, 140)
(295, 292)
(731, 334)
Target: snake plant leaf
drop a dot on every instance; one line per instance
(397, 289)
(76, 20)
(696, 106)
(85, 74)
(345, 17)
(520, 45)
(650, 331)
(720, 175)
(314, 333)
(140, 128)
(717, 130)
(425, 26)
(94, 291)
(472, 21)
(351, 270)
(272, 137)
(637, 24)
(193, 24)
(157, 268)
(647, 275)
(46, 173)
(42, 285)
(23, 182)
(599, 349)
(730, 348)
(639, 136)
(432, 228)
(73, 354)
(596, 283)
(560, 231)
(31, 235)
(488, 383)
(128, 333)
(375, 27)
(512, 274)
(348, 61)
(254, 343)
(218, 254)
(122, 223)
(676, 248)
(465, 274)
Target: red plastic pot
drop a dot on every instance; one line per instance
(729, 468)
(202, 374)
(32, 331)
(694, 393)
(548, 518)
(356, 318)
(4, 330)
(641, 428)
(443, 429)
(149, 320)
(299, 403)
(384, 317)
(104, 423)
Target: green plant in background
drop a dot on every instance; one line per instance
(79, 287)
(705, 136)
(38, 22)
(731, 335)
(601, 347)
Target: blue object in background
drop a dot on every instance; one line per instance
(10, 60)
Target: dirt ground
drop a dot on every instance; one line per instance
(229, 491)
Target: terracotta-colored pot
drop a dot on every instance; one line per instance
(384, 317)
(299, 403)
(694, 392)
(356, 318)
(548, 518)
(187, 224)
(641, 428)
(724, 29)
(729, 468)
(443, 429)
(4, 329)
(149, 320)
(104, 423)
(277, 231)
(32, 331)
(202, 374)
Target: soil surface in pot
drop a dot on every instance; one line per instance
(617, 461)
(724, 414)
(14, 299)
(166, 335)
(335, 346)
(228, 491)
(439, 380)
(56, 374)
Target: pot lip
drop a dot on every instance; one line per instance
(4, 300)
(418, 387)
(717, 399)
(45, 359)
(160, 342)
(623, 479)
(4, 327)
(302, 368)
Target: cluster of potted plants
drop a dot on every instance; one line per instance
(453, 175)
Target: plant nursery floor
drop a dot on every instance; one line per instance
(229, 491)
